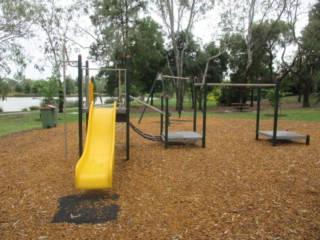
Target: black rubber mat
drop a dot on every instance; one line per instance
(92, 208)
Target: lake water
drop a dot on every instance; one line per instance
(15, 104)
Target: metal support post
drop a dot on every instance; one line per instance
(258, 112)
(166, 122)
(80, 103)
(128, 61)
(276, 107)
(204, 110)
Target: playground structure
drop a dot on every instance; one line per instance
(102, 126)
(166, 136)
(274, 135)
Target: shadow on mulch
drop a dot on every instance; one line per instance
(92, 208)
(284, 142)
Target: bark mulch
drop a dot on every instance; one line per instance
(235, 188)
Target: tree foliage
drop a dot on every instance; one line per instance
(309, 56)
(147, 49)
(115, 23)
(178, 17)
(120, 31)
(16, 20)
(251, 36)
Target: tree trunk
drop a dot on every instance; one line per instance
(179, 82)
(299, 97)
(270, 66)
(179, 96)
(306, 93)
(306, 102)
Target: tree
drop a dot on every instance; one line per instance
(210, 62)
(57, 25)
(119, 30)
(114, 25)
(250, 16)
(70, 85)
(4, 89)
(179, 16)
(38, 86)
(50, 90)
(147, 49)
(16, 19)
(27, 87)
(268, 37)
(237, 57)
(303, 64)
(309, 58)
(272, 21)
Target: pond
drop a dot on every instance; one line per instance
(15, 104)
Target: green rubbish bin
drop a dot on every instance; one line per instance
(49, 116)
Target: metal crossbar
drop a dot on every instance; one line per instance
(257, 85)
(174, 77)
(148, 105)
(107, 69)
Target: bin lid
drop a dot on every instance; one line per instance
(48, 107)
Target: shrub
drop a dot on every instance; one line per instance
(32, 108)
(50, 90)
(271, 96)
(215, 94)
(109, 100)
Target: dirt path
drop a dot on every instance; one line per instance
(235, 188)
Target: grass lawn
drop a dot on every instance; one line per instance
(22, 121)
(17, 122)
(11, 123)
(301, 114)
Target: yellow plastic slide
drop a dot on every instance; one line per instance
(95, 168)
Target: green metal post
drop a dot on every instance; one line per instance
(167, 122)
(87, 95)
(194, 103)
(204, 110)
(308, 139)
(128, 61)
(258, 112)
(80, 103)
(276, 107)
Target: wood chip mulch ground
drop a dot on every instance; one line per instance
(235, 188)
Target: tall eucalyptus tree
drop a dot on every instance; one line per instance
(179, 16)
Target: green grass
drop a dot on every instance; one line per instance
(14, 123)
(301, 114)
(18, 122)
(314, 99)
(23, 121)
